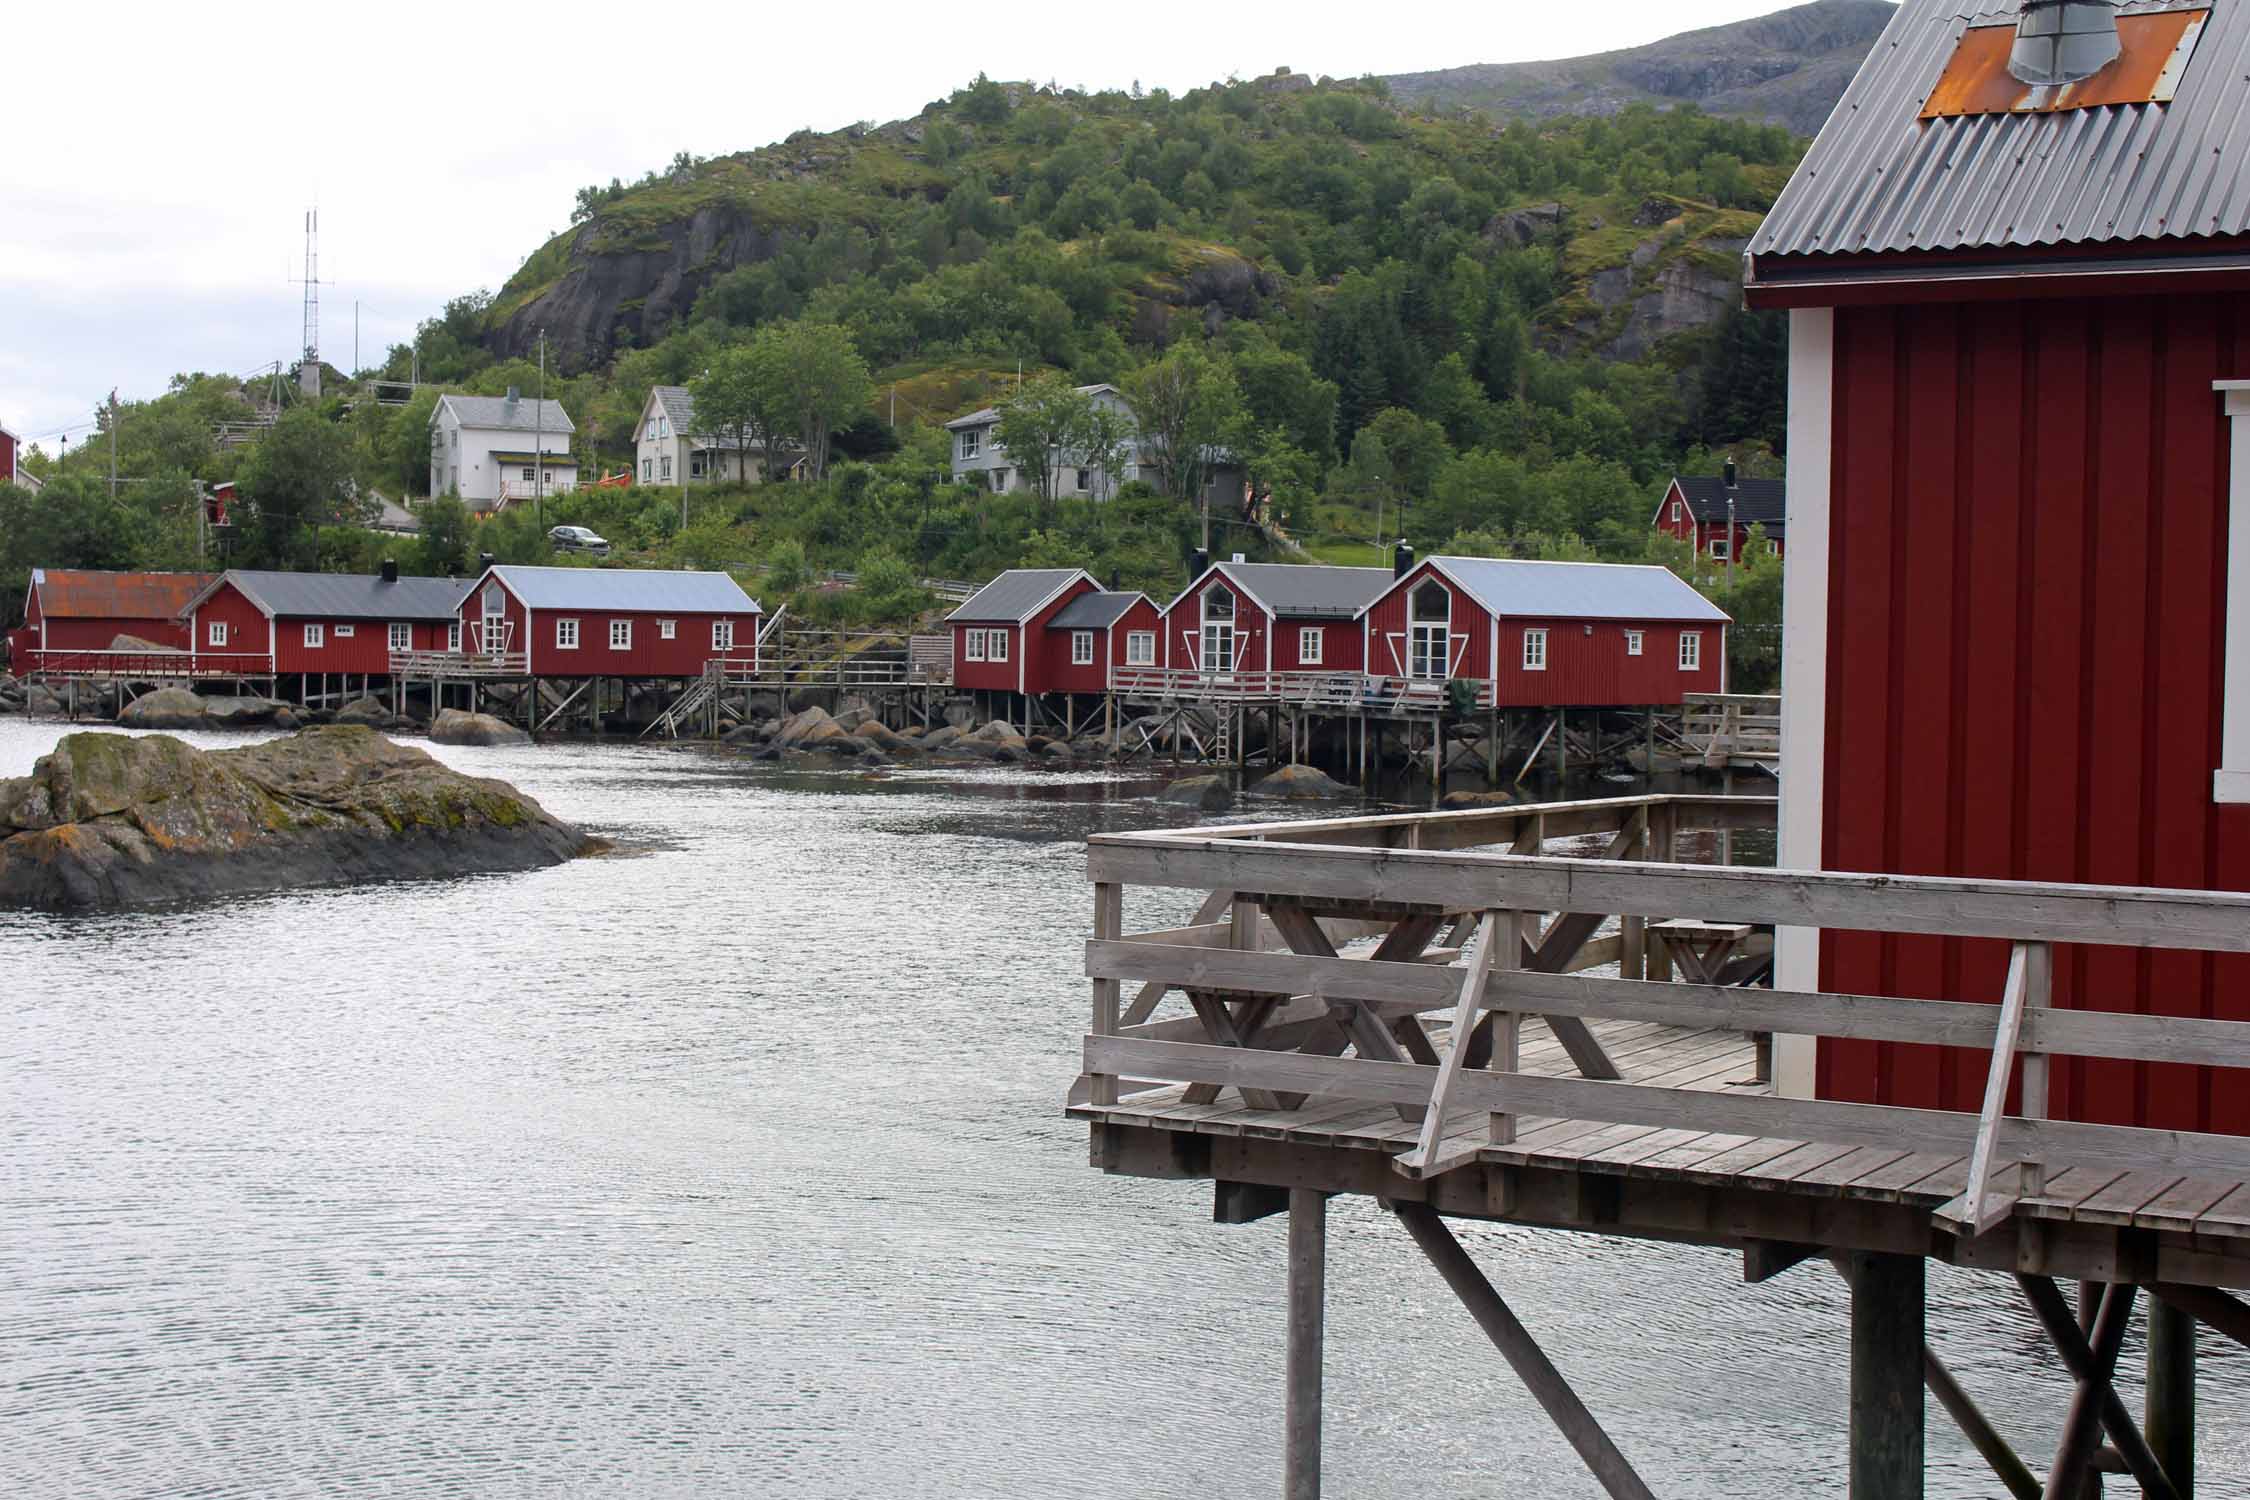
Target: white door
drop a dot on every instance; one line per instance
(1218, 647)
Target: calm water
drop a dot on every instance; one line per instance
(734, 1164)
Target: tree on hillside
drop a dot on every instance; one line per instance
(72, 523)
(735, 399)
(1188, 407)
(442, 550)
(1036, 426)
(814, 373)
(297, 480)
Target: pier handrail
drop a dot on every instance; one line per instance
(1305, 689)
(1280, 882)
(151, 664)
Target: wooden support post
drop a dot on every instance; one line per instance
(1888, 1295)
(2079, 1340)
(2169, 1414)
(1308, 1287)
(1109, 924)
(1524, 1356)
(1562, 750)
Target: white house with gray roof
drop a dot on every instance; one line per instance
(668, 448)
(979, 458)
(490, 450)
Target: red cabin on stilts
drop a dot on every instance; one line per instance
(1270, 617)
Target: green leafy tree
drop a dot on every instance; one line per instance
(1037, 427)
(297, 480)
(1188, 407)
(739, 397)
(444, 547)
(887, 588)
(786, 568)
(813, 372)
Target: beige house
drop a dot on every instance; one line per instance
(667, 448)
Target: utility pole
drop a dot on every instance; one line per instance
(355, 338)
(539, 443)
(1731, 540)
(113, 443)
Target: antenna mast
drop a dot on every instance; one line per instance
(308, 372)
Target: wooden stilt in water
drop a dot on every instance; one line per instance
(1888, 1294)
(1308, 1281)
(2169, 1414)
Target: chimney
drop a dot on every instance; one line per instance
(1729, 471)
(2063, 41)
(1402, 560)
(1199, 563)
(390, 570)
(484, 562)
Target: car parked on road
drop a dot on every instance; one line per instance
(577, 539)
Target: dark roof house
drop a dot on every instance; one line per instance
(1094, 611)
(1757, 502)
(1526, 588)
(1305, 590)
(624, 590)
(1018, 594)
(341, 596)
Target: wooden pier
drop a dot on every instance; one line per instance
(1482, 1061)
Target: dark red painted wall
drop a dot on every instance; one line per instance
(647, 655)
(986, 676)
(2026, 602)
(1386, 629)
(7, 459)
(1183, 628)
(1594, 669)
(1031, 646)
(1339, 645)
(248, 634)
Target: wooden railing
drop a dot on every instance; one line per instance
(1732, 726)
(424, 664)
(1312, 689)
(1262, 973)
(147, 664)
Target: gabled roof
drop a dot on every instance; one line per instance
(524, 414)
(82, 594)
(1880, 180)
(1304, 590)
(342, 596)
(1094, 611)
(1018, 594)
(986, 414)
(1757, 502)
(625, 589)
(1527, 589)
(677, 404)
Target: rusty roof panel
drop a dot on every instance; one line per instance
(76, 594)
(2155, 48)
(1882, 180)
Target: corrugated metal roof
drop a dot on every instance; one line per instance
(1016, 595)
(645, 589)
(350, 596)
(1093, 611)
(1309, 589)
(1757, 502)
(1528, 589)
(81, 594)
(1880, 180)
(520, 415)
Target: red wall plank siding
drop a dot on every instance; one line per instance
(1143, 616)
(1593, 670)
(987, 676)
(249, 633)
(1339, 645)
(648, 654)
(2026, 600)
(1047, 652)
(94, 634)
(1060, 674)
(1386, 628)
(1183, 629)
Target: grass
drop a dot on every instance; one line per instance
(1345, 554)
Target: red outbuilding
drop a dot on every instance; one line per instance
(9, 444)
(610, 622)
(2018, 585)
(1001, 642)
(1093, 637)
(69, 610)
(316, 624)
(1546, 634)
(1695, 507)
(1270, 617)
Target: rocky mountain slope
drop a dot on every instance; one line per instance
(1788, 68)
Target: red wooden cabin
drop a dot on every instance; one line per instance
(70, 610)
(610, 622)
(1545, 634)
(2018, 592)
(1001, 642)
(1694, 509)
(1270, 617)
(9, 444)
(1092, 637)
(314, 624)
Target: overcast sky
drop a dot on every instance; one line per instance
(161, 156)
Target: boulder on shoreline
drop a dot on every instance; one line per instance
(1211, 793)
(166, 708)
(457, 727)
(110, 820)
(1300, 782)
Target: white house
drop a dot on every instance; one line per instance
(979, 457)
(667, 448)
(490, 449)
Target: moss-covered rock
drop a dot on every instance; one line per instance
(117, 820)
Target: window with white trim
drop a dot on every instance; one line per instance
(566, 635)
(402, 637)
(1691, 650)
(1633, 640)
(1720, 548)
(969, 445)
(1082, 648)
(217, 634)
(621, 635)
(316, 635)
(528, 473)
(996, 645)
(667, 629)
(1535, 650)
(972, 645)
(1679, 512)
(1773, 546)
(1309, 645)
(644, 470)
(2230, 782)
(453, 636)
(345, 632)
(722, 635)
(1140, 648)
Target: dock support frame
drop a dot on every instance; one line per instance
(1308, 1294)
(1887, 1419)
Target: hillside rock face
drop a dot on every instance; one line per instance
(1788, 68)
(111, 820)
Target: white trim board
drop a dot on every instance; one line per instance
(1804, 661)
(2230, 782)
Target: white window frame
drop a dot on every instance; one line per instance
(644, 469)
(216, 633)
(453, 635)
(346, 632)
(1082, 648)
(1691, 650)
(972, 646)
(316, 636)
(1311, 645)
(1773, 546)
(1679, 512)
(667, 630)
(621, 635)
(530, 472)
(1140, 648)
(1535, 649)
(401, 637)
(566, 634)
(996, 645)
(2230, 782)
(970, 446)
(1634, 640)
(722, 635)
(1720, 547)
(1085, 480)
(664, 467)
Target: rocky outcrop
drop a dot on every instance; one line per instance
(1210, 793)
(1301, 783)
(1456, 801)
(122, 820)
(1523, 226)
(177, 708)
(454, 726)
